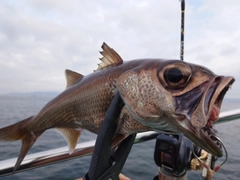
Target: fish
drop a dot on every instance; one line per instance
(169, 96)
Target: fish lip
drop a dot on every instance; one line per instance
(215, 93)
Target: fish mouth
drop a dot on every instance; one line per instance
(212, 105)
(203, 112)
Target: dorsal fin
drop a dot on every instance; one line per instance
(72, 77)
(110, 58)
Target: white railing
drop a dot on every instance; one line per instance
(83, 149)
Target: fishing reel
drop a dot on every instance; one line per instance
(176, 154)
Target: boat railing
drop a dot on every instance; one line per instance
(44, 158)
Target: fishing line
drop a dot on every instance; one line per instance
(226, 153)
(217, 167)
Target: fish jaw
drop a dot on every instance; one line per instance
(197, 122)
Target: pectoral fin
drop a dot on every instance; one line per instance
(71, 135)
(118, 139)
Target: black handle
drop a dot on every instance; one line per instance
(106, 163)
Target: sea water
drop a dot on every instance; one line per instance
(140, 163)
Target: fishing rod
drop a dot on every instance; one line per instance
(182, 29)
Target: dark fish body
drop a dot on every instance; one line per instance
(164, 95)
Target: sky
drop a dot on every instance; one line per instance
(40, 39)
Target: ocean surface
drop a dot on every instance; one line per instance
(140, 163)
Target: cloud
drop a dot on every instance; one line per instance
(40, 39)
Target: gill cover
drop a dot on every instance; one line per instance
(144, 95)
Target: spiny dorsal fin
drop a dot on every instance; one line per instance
(110, 58)
(71, 135)
(72, 77)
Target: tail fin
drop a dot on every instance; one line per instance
(19, 131)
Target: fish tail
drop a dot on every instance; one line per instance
(19, 131)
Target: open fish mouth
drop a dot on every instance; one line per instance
(200, 108)
(212, 105)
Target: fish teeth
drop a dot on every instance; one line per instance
(208, 132)
(218, 143)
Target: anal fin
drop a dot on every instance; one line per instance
(71, 135)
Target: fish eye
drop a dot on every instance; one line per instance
(173, 75)
(176, 77)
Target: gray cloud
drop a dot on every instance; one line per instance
(40, 39)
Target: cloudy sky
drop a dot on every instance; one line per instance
(39, 39)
